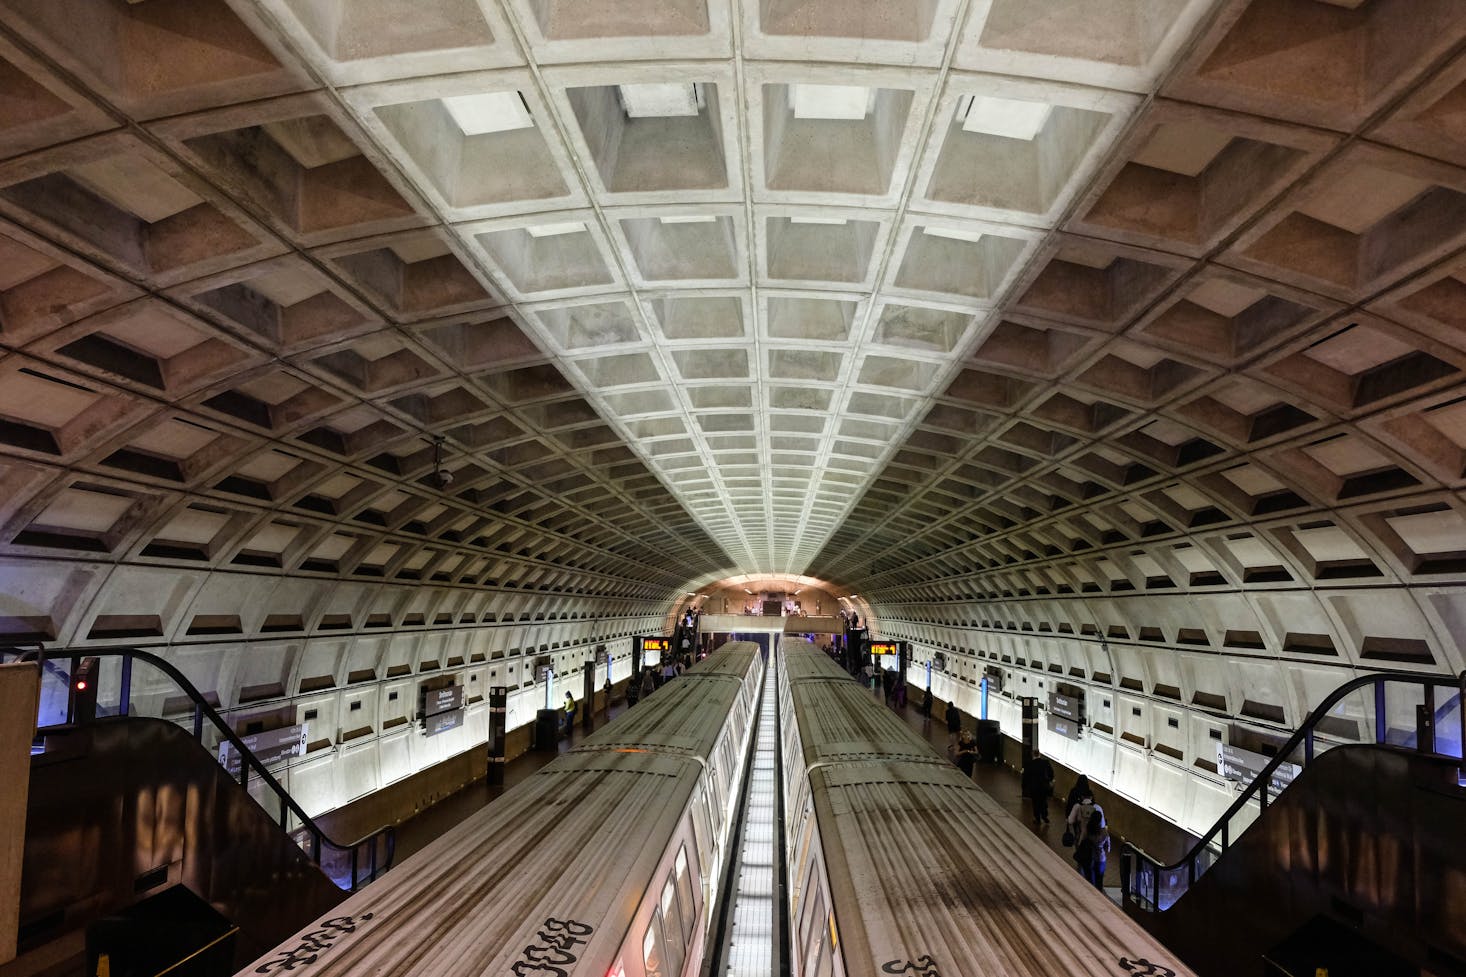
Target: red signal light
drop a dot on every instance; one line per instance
(81, 685)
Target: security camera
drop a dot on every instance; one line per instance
(445, 478)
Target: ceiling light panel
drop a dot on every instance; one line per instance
(836, 102)
(1005, 117)
(477, 115)
(661, 101)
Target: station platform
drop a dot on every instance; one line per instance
(1128, 821)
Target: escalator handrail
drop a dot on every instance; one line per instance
(1303, 734)
(202, 708)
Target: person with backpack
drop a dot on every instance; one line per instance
(954, 721)
(1078, 792)
(1077, 826)
(1092, 852)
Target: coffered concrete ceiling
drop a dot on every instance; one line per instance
(931, 298)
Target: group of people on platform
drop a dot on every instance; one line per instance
(653, 677)
(1085, 827)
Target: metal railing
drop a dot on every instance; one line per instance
(1149, 884)
(349, 865)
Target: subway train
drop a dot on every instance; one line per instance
(898, 864)
(605, 863)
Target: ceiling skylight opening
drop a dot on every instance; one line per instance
(662, 100)
(1005, 117)
(953, 233)
(478, 115)
(840, 102)
(555, 230)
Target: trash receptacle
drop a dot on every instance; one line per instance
(990, 740)
(547, 730)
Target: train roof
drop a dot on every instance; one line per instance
(674, 719)
(735, 658)
(803, 661)
(565, 844)
(937, 869)
(839, 721)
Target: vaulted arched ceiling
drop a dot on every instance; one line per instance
(946, 300)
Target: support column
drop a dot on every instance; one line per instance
(587, 709)
(1030, 726)
(498, 721)
(20, 689)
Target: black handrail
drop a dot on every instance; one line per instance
(1303, 737)
(373, 841)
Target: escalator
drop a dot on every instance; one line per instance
(1356, 867)
(124, 807)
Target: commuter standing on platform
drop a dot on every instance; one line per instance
(926, 703)
(966, 753)
(954, 720)
(1077, 793)
(1081, 816)
(569, 708)
(1038, 785)
(647, 683)
(1092, 851)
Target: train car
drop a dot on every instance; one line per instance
(605, 862)
(898, 864)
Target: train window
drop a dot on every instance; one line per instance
(651, 952)
(812, 938)
(669, 931)
(684, 895)
(700, 832)
(672, 927)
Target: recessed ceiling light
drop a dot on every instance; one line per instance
(834, 221)
(477, 115)
(1006, 117)
(831, 101)
(554, 230)
(690, 219)
(661, 100)
(956, 234)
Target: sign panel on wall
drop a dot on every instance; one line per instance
(443, 721)
(1067, 705)
(445, 699)
(1062, 726)
(1243, 766)
(270, 746)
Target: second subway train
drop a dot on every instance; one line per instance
(898, 864)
